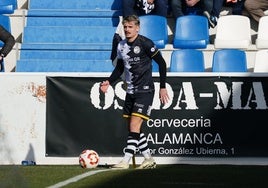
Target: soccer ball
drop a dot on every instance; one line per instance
(89, 159)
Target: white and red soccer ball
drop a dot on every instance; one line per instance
(89, 159)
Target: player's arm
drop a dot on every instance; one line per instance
(117, 72)
(158, 58)
(163, 95)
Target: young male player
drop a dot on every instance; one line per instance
(135, 55)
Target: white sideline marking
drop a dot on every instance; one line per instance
(76, 178)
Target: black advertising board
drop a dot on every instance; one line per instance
(207, 116)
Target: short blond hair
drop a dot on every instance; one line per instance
(131, 18)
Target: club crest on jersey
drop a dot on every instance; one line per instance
(137, 50)
(153, 49)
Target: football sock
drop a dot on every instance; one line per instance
(132, 144)
(143, 146)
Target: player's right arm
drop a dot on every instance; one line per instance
(117, 72)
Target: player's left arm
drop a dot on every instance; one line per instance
(163, 94)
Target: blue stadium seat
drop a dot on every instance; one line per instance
(155, 67)
(155, 28)
(229, 60)
(8, 6)
(187, 60)
(63, 65)
(66, 54)
(72, 21)
(191, 31)
(99, 8)
(65, 37)
(5, 22)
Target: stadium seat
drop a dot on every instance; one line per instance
(65, 37)
(5, 22)
(66, 54)
(60, 65)
(155, 67)
(191, 31)
(262, 37)
(100, 8)
(229, 60)
(261, 61)
(72, 21)
(8, 6)
(187, 60)
(155, 28)
(233, 31)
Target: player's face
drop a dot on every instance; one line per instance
(131, 30)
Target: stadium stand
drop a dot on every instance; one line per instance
(233, 31)
(191, 31)
(63, 65)
(57, 37)
(66, 37)
(155, 27)
(187, 60)
(73, 21)
(80, 8)
(8, 6)
(65, 54)
(262, 37)
(229, 60)
(261, 61)
(98, 14)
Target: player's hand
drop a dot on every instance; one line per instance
(104, 86)
(233, 1)
(163, 95)
(150, 1)
(191, 3)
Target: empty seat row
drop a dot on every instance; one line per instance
(65, 54)
(65, 37)
(80, 8)
(183, 60)
(224, 60)
(63, 65)
(38, 60)
(72, 21)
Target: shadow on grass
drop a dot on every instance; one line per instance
(184, 176)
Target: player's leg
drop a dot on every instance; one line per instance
(143, 146)
(132, 143)
(142, 109)
(148, 162)
(134, 124)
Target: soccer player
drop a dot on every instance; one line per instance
(135, 55)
